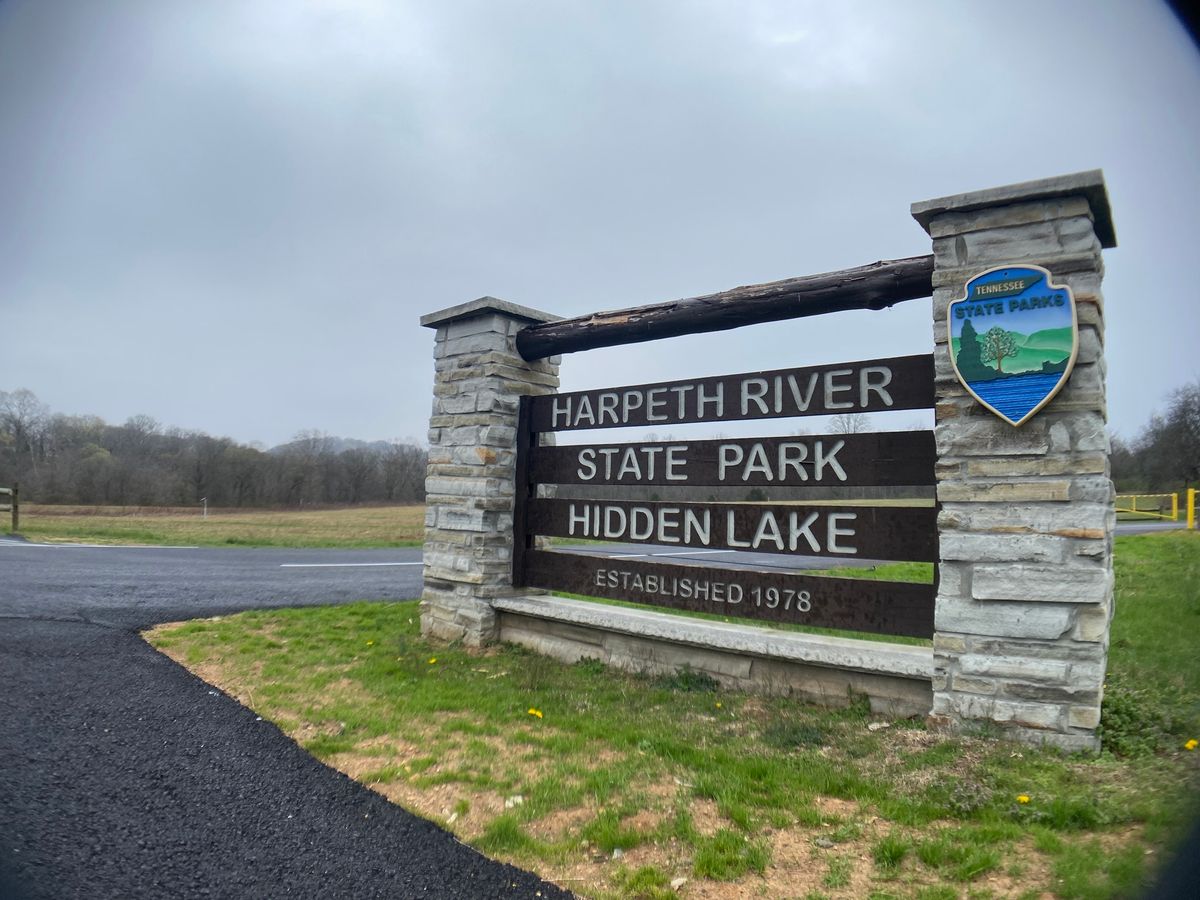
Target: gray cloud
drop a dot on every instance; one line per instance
(230, 215)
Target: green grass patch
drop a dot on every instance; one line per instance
(643, 883)
(838, 873)
(728, 855)
(889, 852)
(701, 779)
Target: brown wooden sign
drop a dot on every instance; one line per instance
(860, 605)
(897, 533)
(903, 382)
(875, 458)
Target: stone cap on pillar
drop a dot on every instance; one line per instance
(1089, 185)
(485, 306)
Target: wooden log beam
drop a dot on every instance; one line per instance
(873, 286)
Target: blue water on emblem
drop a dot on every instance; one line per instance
(1017, 395)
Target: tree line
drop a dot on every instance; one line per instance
(82, 459)
(1165, 455)
(60, 458)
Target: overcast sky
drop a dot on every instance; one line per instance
(230, 215)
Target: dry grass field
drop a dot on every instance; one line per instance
(373, 526)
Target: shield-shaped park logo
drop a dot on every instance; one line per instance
(1013, 339)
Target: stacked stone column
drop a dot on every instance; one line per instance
(479, 379)
(1026, 521)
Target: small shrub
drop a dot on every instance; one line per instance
(967, 797)
(591, 666)
(1138, 721)
(689, 681)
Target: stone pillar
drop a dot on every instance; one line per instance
(469, 485)
(1026, 522)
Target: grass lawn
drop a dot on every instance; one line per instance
(616, 785)
(362, 526)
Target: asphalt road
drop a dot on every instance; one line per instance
(135, 587)
(123, 775)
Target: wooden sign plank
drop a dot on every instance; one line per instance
(881, 607)
(897, 533)
(903, 382)
(873, 458)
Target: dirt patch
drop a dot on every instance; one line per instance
(344, 690)
(307, 731)
(440, 803)
(706, 818)
(834, 807)
(562, 823)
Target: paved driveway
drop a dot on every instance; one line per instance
(123, 775)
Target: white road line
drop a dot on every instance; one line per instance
(344, 565)
(98, 546)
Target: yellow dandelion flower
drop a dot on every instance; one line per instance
(535, 712)
(370, 643)
(718, 706)
(1022, 798)
(432, 660)
(1191, 745)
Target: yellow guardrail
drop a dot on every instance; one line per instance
(1160, 506)
(1155, 506)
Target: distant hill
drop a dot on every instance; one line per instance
(1050, 345)
(1054, 340)
(333, 445)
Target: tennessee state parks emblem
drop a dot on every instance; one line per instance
(1013, 340)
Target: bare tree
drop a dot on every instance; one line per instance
(404, 472)
(1169, 448)
(849, 423)
(23, 417)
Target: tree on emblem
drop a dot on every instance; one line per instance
(997, 344)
